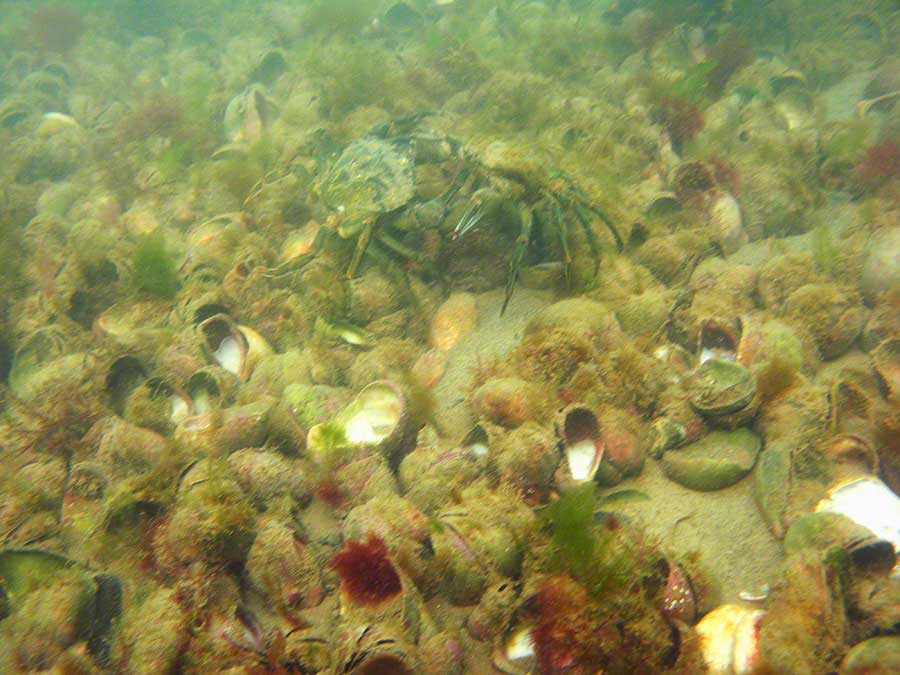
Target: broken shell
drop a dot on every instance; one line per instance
(157, 404)
(208, 388)
(582, 446)
(724, 392)
(868, 502)
(729, 640)
(235, 348)
(788, 79)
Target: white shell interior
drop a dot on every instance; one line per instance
(180, 408)
(228, 355)
(520, 645)
(202, 401)
(708, 353)
(375, 420)
(729, 639)
(869, 502)
(479, 449)
(582, 458)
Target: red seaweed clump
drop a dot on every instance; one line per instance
(566, 637)
(681, 118)
(54, 28)
(730, 53)
(368, 576)
(882, 162)
(159, 114)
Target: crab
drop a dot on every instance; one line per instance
(371, 193)
(547, 198)
(371, 178)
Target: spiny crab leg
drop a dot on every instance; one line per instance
(562, 231)
(469, 221)
(518, 254)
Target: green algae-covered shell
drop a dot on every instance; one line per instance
(716, 461)
(724, 391)
(875, 656)
(371, 176)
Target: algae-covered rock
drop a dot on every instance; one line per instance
(153, 635)
(714, 462)
(875, 656)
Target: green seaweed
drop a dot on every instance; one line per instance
(603, 556)
(826, 254)
(692, 86)
(173, 160)
(571, 521)
(154, 270)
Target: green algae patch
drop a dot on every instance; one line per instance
(154, 270)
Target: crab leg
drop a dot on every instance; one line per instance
(361, 244)
(399, 247)
(584, 219)
(518, 254)
(562, 230)
(582, 203)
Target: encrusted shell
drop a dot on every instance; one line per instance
(724, 392)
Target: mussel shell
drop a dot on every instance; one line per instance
(378, 417)
(719, 388)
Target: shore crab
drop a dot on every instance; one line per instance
(372, 196)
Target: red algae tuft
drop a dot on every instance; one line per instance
(368, 576)
(882, 161)
(681, 118)
(565, 637)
